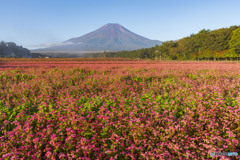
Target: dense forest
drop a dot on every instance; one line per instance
(220, 44)
(10, 49)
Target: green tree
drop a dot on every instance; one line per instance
(219, 39)
(234, 43)
(230, 54)
(165, 48)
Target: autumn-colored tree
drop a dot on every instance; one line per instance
(219, 55)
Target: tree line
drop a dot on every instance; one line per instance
(10, 49)
(220, 44)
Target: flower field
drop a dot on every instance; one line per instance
(118, 109)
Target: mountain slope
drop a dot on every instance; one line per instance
(111, 37)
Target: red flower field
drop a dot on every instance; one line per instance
(118, 109)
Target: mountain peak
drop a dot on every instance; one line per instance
(111, 36)
(112, 24)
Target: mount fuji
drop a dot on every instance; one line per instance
(110, 37)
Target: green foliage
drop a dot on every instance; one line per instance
(205, 45)
(230, 54)
(192, 76)
(12, 113)
(234, 43)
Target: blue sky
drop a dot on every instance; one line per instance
(37, 23)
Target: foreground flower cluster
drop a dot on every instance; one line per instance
(118, 110)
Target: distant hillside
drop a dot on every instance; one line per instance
(220, 44)
(110, 37)
(10, 49)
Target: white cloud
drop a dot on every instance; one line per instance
(46, 45)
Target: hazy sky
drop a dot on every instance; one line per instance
(35, 23)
